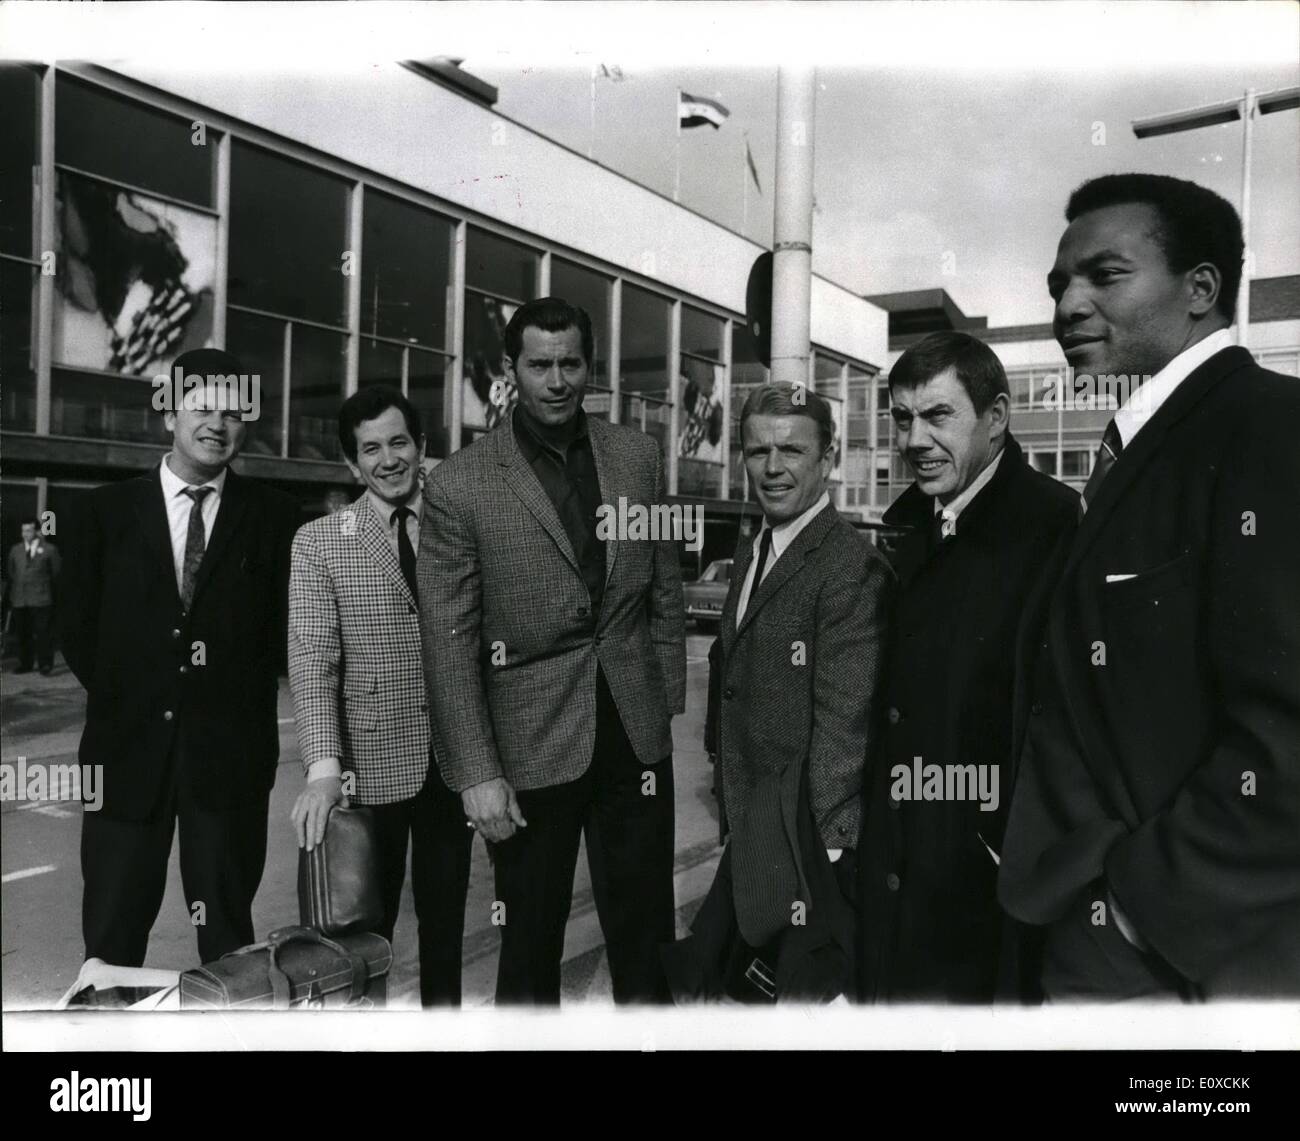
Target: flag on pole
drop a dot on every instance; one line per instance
(753, 170)
(696, 111)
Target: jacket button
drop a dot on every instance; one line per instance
(185, 669)
(176, 633)
(894, 716)
(895, 804)
(842, 830)
(728, 693)
(582, 612)
(168, 715)
(1036, 708)
(892, 881)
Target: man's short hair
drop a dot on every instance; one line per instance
(369, 403)
(551, 315)
(1196, 225)
(29, 521)
(780, 400)
(977, 366)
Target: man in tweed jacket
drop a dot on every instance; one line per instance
(358, 683)
(802, 641)
(555, 660)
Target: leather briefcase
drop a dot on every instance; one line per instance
(338, 880)
(295, 967)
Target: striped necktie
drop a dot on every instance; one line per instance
(195, 544)
(1111, 447)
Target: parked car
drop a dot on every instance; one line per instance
(705, 596)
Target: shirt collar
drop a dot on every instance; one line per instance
(1144, 402)
(783, 534)
(958, 505)
(384, 510)
(534, 435)
(173, 485)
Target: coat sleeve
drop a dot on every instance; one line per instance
(668, 609)
(852, 617)
(81, 587)
(451, 617)
(315, 652)
(1219, 868)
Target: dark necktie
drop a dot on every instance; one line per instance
(1107, 454)
(405, 552)
(764, 550)
(195, 544)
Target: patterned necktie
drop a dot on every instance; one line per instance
(195, 544)
(405, 552)
(1107, 454)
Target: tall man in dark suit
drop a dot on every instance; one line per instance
(802, 645)
(358, 683)
(31, 574)
(979, 526)
(555, 660)
(175, 624)
(1155, 828)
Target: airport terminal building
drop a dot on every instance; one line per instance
(380, 226)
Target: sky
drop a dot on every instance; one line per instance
(927, 177)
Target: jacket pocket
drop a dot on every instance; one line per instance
(1150, 586)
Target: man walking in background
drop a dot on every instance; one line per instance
(32, 571)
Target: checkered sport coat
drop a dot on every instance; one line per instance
(354, 655)
(509, 653)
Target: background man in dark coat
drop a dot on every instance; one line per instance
(1155, 828)
(802, 642)
(980, 525)
(175, 624)
(31, 573)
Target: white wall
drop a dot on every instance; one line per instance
(389, 120)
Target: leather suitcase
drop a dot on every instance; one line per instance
(295, 967)
(338, 880)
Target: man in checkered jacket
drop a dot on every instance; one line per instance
(358, 683)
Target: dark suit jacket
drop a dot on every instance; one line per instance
(933, 932)
(510, 644)
(130, 645)
(799, 678)
(32, 581)
(1170, 767)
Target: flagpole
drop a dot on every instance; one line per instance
(677, 165)
(744, 179)
(591, 141)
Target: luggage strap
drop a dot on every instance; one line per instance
(282, 988)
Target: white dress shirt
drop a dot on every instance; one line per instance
(384, 510)
(1142, 404)
(178, 511)
(783, 534)
(951, 511)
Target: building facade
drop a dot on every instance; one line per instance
(378, 226)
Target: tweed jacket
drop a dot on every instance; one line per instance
(30, 581)
(510, 645)
(799, 680)
(354, 655)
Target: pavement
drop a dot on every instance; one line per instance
(40, 929)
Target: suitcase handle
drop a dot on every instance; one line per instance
(281, 989)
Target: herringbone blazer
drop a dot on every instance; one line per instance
(509, 649)
(354, 655)
(799, 681)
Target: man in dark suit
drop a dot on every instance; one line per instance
(802, 644)
(175, 624)
(358, 684)
(1155, 827)
(32, 571)
(554, 652)
(979, 525)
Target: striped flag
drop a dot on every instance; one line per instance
(696, 111)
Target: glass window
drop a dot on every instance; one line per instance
(826, 375)
(499, 266)
(258, 345)
(643, 366)
(317, 369)
(130, 142)
(136, 281)
(487, 394)
(19, 96)
(590, 291)
(380, 363)
(1044, 462)
(405, 270)
(427, 376)
(19, 504)
(701, 334)
(17, 346)
(105, 408)
(288, 225)
(1074, 464)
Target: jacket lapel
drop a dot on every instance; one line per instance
(152, 514)
(372, 533)
(230, 512)
(788, 564)
(609, 472)
(520, 479)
